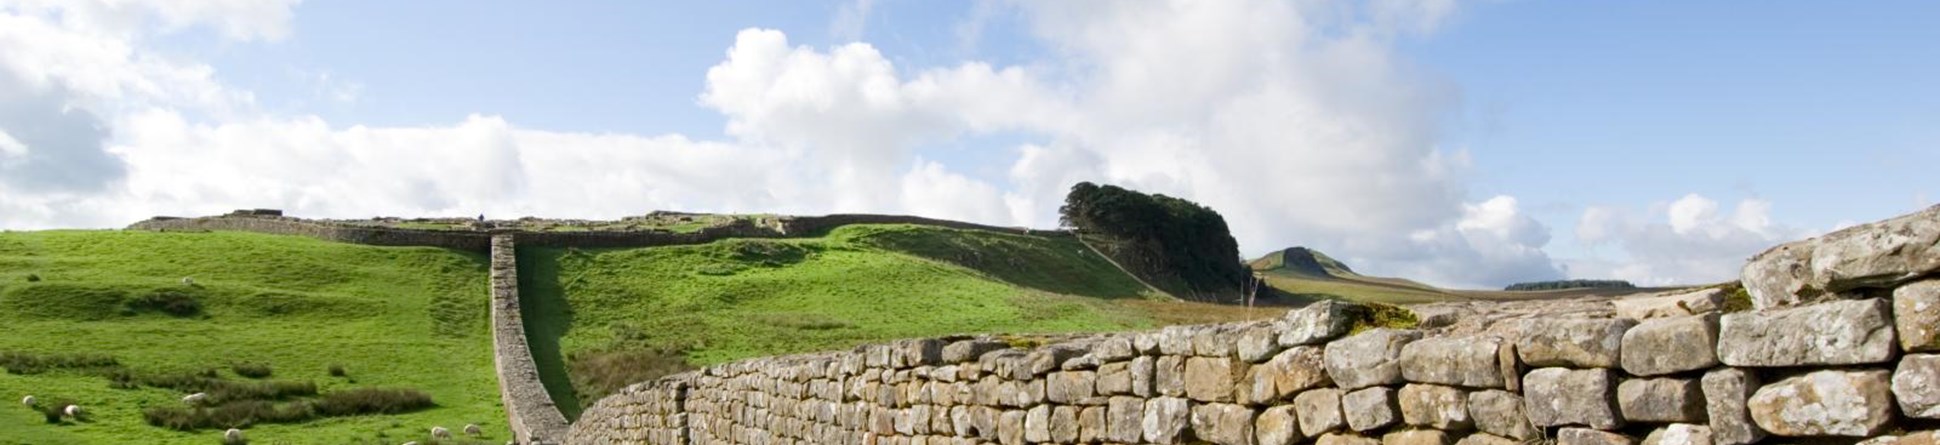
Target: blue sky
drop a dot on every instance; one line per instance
(1466, 144)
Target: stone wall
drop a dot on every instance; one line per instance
(324, 230)
(532, 416)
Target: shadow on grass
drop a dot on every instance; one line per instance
(542, 302)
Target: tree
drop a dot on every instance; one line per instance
(1178, 245)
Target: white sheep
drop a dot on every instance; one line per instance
(195, 399)
(29, 401)
(439, 432)
(411, 443)
(472, 429)
(72, 411)
(188, 281)
(232, 436)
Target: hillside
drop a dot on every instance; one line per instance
(1305, 274)
(391, 317)
(630, 309)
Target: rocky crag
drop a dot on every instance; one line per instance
(1838, 344)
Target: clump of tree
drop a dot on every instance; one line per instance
(1571, 284)
(1176, 245)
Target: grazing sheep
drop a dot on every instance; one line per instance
(195, 399)
(188, 281)
(72, 411)
(472, 429)
(29, 401)
(232, 436)
(439, 432)
(411, 443)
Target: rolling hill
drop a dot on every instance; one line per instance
(1306, 274)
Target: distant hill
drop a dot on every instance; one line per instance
(1571, 284)
(1302, 274)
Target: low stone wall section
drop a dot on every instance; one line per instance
(328, 231)
(1833, 371)
(533, 416)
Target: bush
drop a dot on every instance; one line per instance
(252, 370)
(224, 390)
(337, 370)
(167, 301)
(53, 410)
(33, 278)
(596, 374)
(372, 401)
(28, 363)
(237, 414)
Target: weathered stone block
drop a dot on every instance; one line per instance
(1114, 379)
(1474, 362)
(1576, 343)
(1671, 345)
(1223, 423)
(1879, 254)
(1846, 332)
(1094, 424)
(1825, 403)
(1415, 437)
(1560, 396)
(1586, 436)
(1124, 419)
(1037, 424)
(1369, 358)
(970, 350)
(1071, 387)
(1212, 379)
(1917, 385)
(1369, 409)
(1916, 313)
(1289, 372)
(1165, 419)
(1318, 323)
(1345, 439)
(1169, 376)
(1217, 341)
(1487, 439)
(1010, 427)
(1500, 413)
(1064, 424)
(1319, 410)
(1277, 426)
(1434, 406)
(1725, 392)
(1116, 348)
(1256, 344)
(1674, 305)
(1176, 340)
(1661, 400)
(1680, 434)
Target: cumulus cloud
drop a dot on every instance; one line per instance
(1689, 241)
(1296, 120)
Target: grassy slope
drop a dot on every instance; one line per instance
(1334, 279)
(395, 317)
(858, 284)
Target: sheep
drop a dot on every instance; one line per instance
(472, 429)
(72, 411)
(411, 443)
(29, 401)
(232, 436)
(439, 432)
(195, 399)
(188, 281)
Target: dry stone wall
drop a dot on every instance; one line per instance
(533, 417)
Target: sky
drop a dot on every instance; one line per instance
(1467, 144)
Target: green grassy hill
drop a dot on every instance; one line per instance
(391, 317)
(857, 284)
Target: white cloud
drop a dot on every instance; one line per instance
(1693, 243)
(1295, 119)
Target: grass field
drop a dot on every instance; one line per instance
(392, 317)
(858, 284)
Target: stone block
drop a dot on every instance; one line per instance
(1368, 359)
(1415, 437)
(1916, 312)
(1010, 427)
(1256, 344)
(1487, 439)
(1037, 424)
(1825, 403)
(1289, 372)
(1319, 410)
(1661, 400)
(1277, 426)
(1680, 434)
(1671, 345)
(1123, 419)
(1473, 362)
(1560, 396)
(1586, 436)
(1873, 255)
(1169, 376)
(1916, 383)
(1318, 323)
(1725, 392)
(1094, 424)
(1674, 305)
(1500, 413)
(1114, 379)
(1071, 388)
(1848, 332)
(1212, 379)
(1345, 439)
(1223, 424)
(970, 350)
(1572, 342)
(1369, 409)
(1165, 420)
(1064, 424)
(1434, 406)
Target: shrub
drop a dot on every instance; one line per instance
(337, 370)
(596, 374)
(224, 390)
(252, 370)
(168, 301)
(33, 278)
(237, 414)
(371, 401)
(53, 410)
(28, 363)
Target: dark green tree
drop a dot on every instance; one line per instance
(1178, 245)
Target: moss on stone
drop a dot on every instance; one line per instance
(1389, 316)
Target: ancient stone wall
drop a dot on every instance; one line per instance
(324, 230)
(1504, 374)
(534, 419)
